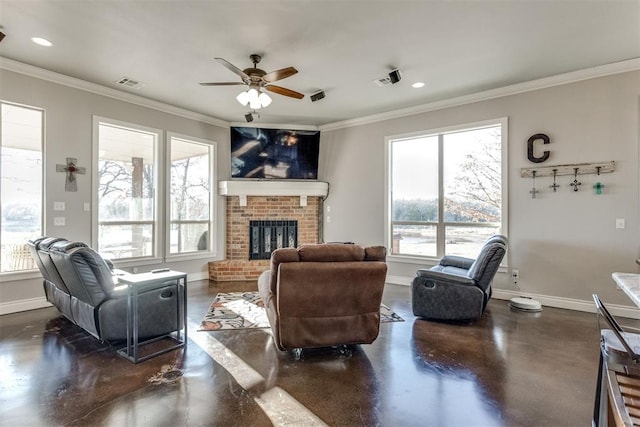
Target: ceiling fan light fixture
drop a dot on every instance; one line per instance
(255, 105)
(264, 99)
(255, 98)
(243, 98)
(253, 94)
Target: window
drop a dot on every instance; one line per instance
(134, 220)
(127, 190)
(21, 192)
(190, 204)
(446, 190)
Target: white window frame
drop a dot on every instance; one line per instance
(211, 252)
(388, 233)
(158, 219)
(31, 273)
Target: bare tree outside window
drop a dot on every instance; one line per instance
(190, 196)
(446, 191)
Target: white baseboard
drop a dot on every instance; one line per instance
(399, 280)
(545, 300)
(200, 275)
(23, 305)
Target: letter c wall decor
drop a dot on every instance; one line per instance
(545, 140)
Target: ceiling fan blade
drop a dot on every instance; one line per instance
(221, 84)
(228, 65)
(284, 91)
(279, 74)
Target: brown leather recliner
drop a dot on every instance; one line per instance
(324, 295)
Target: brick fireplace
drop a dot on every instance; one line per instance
(246, 202)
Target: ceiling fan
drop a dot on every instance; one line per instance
(257, 80)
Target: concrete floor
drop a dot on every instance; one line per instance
(507, 369)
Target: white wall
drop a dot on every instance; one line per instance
(68, 129)
(565, 244)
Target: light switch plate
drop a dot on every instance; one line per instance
(620, 223)
(87, 206)
(58, 206)
(59, 221)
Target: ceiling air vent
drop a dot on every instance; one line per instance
(133, 84)
(384, 81)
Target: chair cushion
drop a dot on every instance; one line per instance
(331, 252)
(487, 263)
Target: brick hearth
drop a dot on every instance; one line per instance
(237, 266)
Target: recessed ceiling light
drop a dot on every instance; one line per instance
(41, 41)
(417, 85)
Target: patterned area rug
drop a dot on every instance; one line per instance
(245, 310)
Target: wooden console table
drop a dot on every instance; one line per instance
(618, 391)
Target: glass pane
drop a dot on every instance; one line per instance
(472, 175)
(414, 179)
(190, 179)
(125, 241)
(466, 241)
(414, 240)
(126, 190)
(20, 185)
(189, 237)
(126, 174)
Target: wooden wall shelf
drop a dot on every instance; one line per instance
(569, 169)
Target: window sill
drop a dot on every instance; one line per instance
(12, 276)
(408, 259)
(190, 256)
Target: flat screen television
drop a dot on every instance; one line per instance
(262, 153)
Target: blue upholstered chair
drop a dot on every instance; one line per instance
(458, 288)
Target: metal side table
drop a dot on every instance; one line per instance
(136, 282)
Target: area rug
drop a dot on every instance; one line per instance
(245, 310)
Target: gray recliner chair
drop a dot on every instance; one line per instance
(458, 288)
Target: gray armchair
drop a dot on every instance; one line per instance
(458, 288)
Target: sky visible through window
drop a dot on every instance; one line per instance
(418, 176)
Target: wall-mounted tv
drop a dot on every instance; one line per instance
(262, 153)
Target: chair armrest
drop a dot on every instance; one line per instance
(456, 261)
(445, 277)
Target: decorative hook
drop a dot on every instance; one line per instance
(533, 189)
(575, 182)
(554, 185)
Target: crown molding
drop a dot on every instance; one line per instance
(557, 80)
(51, 76)
(273, 126)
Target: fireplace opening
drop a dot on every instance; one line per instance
(267, 236)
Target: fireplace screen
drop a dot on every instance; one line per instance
(267, 236)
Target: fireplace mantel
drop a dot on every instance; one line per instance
(303, 189)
